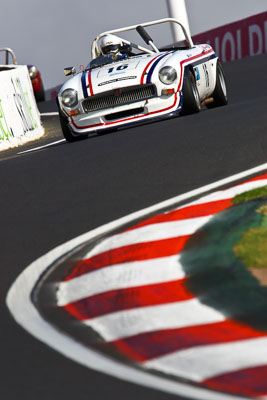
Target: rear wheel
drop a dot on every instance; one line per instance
(40, 96)
(220, 92)
(66, 130)
(191, 100)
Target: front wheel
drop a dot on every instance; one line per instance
(66, 130)
(220, 92)
(191, 99)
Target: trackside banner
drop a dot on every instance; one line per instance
(19, 115)
(247, 37)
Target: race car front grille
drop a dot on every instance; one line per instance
(119, 97)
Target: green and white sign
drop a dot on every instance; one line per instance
(19, 116)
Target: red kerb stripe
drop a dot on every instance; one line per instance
(134, 252)
(250, 382)
(149, 345)
(129, 298)
(257, 178)
(198, 210)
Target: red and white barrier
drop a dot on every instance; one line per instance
(244, 38)
(19, 116)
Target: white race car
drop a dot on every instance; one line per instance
(127, 84)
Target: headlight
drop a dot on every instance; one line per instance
(167, 75)
(33, 71)
(69, 97)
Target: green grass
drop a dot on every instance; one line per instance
(252, 248)
(263, 210)
(250, 195)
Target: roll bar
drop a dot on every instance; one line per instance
(95, 50)
(8, 52)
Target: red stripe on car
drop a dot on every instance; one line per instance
(90, 83)
(146, 68)
(186, 61)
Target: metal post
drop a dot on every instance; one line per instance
(177, 10)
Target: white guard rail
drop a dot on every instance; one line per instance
(19, 116)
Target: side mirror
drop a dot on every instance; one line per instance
(69, 71)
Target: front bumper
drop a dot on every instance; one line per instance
(135, 113)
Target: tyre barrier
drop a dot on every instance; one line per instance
(19, 116)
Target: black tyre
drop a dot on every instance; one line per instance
(191, 100)
(220, 92)
(66, 130)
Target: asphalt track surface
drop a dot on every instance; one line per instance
(51, 195)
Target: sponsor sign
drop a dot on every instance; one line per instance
(244, 38)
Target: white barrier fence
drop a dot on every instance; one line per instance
(19, 116)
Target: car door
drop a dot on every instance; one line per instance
(204, 79)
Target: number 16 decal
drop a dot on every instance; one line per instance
(119, 68)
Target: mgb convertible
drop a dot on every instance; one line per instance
(127, 84)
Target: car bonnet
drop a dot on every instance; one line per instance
(133, 71)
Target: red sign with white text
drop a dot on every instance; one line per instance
(247, 37)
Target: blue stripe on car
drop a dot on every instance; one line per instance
(194, 64)
(148, 80)
(202, 60)
(83, 79)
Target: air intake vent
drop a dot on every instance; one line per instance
(119, 97)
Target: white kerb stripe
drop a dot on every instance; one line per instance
(22, 308)
(120, 276)
(206, 362)
(149, 233)
(231, 192)
(167, 230)
(147, 319)
(225, 194)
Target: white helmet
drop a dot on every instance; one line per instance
(110, 44)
